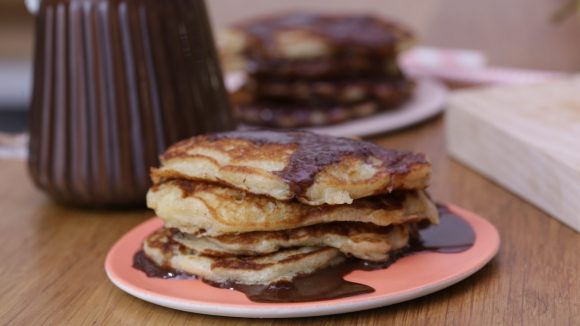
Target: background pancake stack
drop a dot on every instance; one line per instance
(263, 207)
(308, 69)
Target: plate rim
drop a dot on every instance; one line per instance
(301, 309)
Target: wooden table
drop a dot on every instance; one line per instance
(51, 259)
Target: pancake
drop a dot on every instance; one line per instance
(283, 265)
(298, 116)
(313, 46)
(361, 240)
(211, 210)
(318, 68)
(312, 168)
(328, 93)
(302, 36)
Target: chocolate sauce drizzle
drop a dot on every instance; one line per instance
(303, 166)
(452, 235)
(147, 266)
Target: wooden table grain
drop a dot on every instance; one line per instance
(51, 259)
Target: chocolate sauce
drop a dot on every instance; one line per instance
(303, 166)
(451, 235)
(324, 284)
(115, 83)
(147, 266)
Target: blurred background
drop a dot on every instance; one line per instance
(515, 33)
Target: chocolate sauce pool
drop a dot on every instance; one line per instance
(147, 266)
(452, 235)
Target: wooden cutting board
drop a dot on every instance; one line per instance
(526, 138)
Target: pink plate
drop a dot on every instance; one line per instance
(408, 278)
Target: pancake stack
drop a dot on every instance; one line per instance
(262, 207)
(311, 69)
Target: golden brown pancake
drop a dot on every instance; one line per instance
(304, 36)
(295, 116)
(386, 92)
(283, 265)
(308, 69)
(259, 207)
(312, 168)
(210, 209)
(303, 103)
(317, 68)
(361, 240)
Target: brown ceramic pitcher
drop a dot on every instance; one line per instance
(115, 83)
